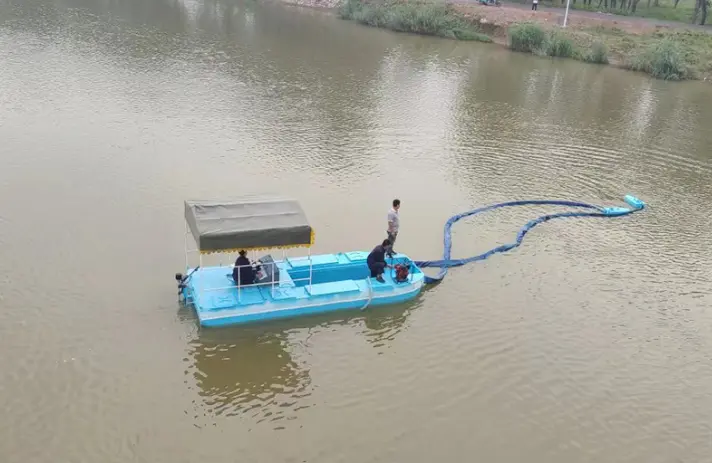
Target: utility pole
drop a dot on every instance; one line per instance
(566, 15)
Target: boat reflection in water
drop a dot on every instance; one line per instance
(264, 372)
(248, 371)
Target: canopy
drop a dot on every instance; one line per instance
(248, 223)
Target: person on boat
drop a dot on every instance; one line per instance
(376, 260)
(243, 273)
(393, 222)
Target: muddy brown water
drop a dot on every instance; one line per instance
(590, 343)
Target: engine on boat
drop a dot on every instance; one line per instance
(268, 270)
(401, 273)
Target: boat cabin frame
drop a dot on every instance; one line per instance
(251, 224)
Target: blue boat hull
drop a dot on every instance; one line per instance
(339, 282)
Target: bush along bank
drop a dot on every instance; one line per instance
(426, 18)
(664, 55)
(668, 55)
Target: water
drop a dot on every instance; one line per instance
(590, 343)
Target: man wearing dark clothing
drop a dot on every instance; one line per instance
(243, 273)
(376, 260)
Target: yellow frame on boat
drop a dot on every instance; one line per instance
(261, 248)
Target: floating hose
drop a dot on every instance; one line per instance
(592, 211)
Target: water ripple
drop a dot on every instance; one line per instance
(588, 343)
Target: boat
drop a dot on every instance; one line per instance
(286, 287)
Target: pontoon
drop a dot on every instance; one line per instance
(286, 287)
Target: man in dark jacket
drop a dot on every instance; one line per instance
(243, 273)
(376, 260)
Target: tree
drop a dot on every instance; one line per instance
(700, 14)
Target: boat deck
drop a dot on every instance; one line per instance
(338, 281)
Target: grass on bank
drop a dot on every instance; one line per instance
(557, 44)
(598, 54)
(532, 38)
(663, 60)
(527, 38)
(667, 55)
(426, 18)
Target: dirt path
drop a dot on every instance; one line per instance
(516, 12)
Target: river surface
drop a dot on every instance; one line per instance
(590, 343)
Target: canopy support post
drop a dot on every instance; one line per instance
(200, 264)
(185, 246)
(310, 271)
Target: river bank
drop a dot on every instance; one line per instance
(663, 51)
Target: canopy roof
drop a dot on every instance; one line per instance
(248, 223)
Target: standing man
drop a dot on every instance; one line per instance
(393, 222)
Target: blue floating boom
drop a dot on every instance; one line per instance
(590, 211)
(634, 202)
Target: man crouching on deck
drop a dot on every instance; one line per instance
(376, 260)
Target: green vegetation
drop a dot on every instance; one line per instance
(532, 38)
(557, 44)
(526, 37)
(425, 18)
(663, 60)
(664, 54)
(598, 54)
(668, 55)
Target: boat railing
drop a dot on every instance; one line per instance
(271, 283)
(189, 251)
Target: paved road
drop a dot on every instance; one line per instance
(598, 15)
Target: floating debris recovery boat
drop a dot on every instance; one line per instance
(286, 287)
(312, 284)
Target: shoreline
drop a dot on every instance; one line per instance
(662, 51)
